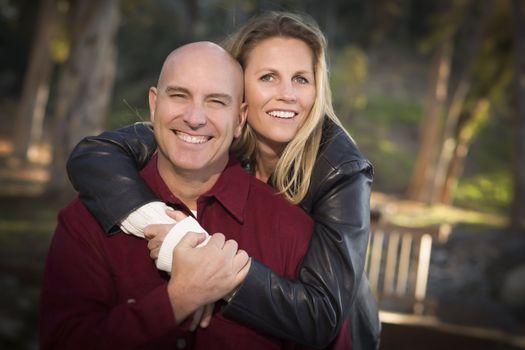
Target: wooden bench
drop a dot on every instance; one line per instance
(397, 266)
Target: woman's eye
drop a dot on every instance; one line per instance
(267, 77)
(301, 80)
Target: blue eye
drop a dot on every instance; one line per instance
(267, 77)
(301, 80)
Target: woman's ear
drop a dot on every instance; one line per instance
(152, 98)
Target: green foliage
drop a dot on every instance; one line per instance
(393, 165)
(348, 78)
(388, 111)
(487, 182)
(485, 192)
(386, 131)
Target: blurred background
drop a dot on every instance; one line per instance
(432, 91)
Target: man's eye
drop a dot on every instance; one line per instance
(178, 95)
(267, 77)
(301, 80)
(218, 102)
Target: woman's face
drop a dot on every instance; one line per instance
(279, 89)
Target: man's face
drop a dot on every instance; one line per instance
(196, 111)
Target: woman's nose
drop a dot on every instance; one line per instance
(287, 92)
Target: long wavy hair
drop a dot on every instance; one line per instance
(294, 169)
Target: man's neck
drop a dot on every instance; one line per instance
(187, 185)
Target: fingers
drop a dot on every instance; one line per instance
(154, 248)
(202, 317)
(176, 215)
(155, 241)
(240, 260)
(241, 275)
(153, 230)
(230, 248)
(206, 317)
(196, 319)
(191, 240)
(217, 239)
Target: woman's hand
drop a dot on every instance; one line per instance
(155, 233)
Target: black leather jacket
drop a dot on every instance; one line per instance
(332, 286)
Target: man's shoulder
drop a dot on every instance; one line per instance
(73, 209)
(76, 217)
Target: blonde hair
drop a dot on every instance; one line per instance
(294, 169)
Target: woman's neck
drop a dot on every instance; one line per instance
(266, 161)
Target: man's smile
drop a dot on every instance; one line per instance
(193, 139)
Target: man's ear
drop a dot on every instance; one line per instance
(243, 115)
(152, 98)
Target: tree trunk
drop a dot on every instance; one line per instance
(421, 179)
(458, 100)
(35, 89)
(449, 139)
(518, 203)
(467, 131)
(86, 83)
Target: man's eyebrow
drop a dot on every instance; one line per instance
(172, 89)
(226, 98)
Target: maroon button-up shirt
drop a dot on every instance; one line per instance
(103, 292)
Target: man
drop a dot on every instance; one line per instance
(105, 292)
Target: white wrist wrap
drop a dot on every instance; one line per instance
(173, 237)
(150, 213)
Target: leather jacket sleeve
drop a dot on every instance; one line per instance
(103, 169)
(312, 309)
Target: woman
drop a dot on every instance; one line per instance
(295, 142)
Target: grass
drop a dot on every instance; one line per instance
(26, 223)
(415, 214)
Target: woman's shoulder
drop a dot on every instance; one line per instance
(339, 161)
(338, 151)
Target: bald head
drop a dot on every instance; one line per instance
(197, 111)
(202, 56)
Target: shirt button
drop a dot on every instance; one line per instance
(181, 343)
(131, 301)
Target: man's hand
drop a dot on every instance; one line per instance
(202, 317)
(206, 274)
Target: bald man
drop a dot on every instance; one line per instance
(105, 292)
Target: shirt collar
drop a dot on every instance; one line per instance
(231, 189)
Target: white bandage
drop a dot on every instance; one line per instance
(173, 237)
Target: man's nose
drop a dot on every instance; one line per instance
(287, 92)
(195, 116)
